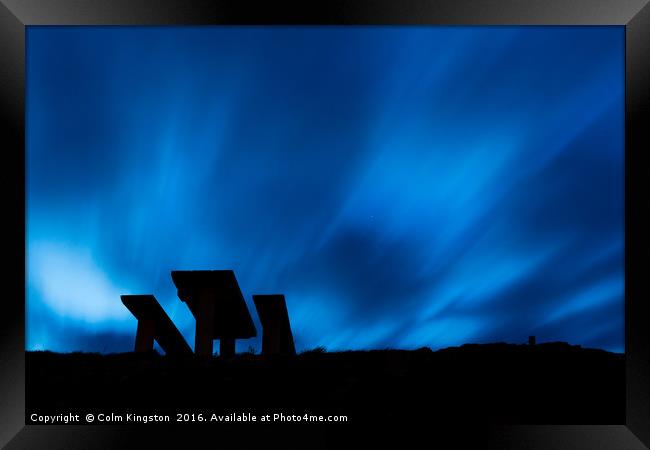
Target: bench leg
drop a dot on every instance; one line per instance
(226, 347)
(204, 328)
(144, 335)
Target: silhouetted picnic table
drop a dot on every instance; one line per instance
(217, 304)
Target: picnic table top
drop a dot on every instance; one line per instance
(231, 316)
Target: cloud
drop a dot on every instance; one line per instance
(69, 282)
(401, 186)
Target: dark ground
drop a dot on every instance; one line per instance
(551, 383)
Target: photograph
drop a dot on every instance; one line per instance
(230, 224)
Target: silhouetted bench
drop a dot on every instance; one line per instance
(217, 304)
(154, 323)
(276, 329)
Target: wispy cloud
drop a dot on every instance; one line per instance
(401, 186)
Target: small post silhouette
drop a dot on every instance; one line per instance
(154, 324)
(531, 340)
(276, 329)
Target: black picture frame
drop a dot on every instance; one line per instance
(634, 15)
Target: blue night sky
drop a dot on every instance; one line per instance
(402, 186)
